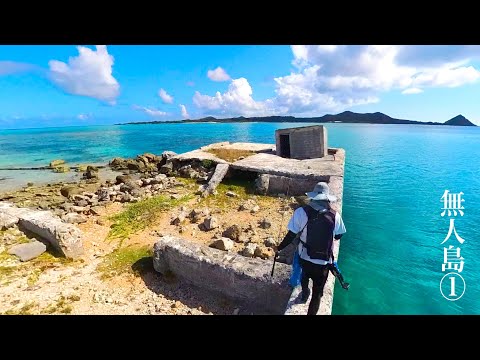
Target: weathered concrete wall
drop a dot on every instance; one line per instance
(246, 280)
(217, 177)
(274, 184)
(66, 238)
(308, 142)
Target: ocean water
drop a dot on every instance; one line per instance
(395, 176)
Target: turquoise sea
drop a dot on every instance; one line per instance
(395, 176)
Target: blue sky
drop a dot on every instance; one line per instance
(86, 85)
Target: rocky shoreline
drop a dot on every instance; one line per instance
(232, 219)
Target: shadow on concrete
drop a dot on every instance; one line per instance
(175, 289)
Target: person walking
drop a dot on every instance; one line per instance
(318, 225)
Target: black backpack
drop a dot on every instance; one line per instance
(320, 228)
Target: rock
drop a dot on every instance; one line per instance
(61, 169)
(29, 184)
(255, 209)
(264, 252)
(118, 163)
(68, 191)
(126, 198)
(122, 179)
(223, 244)
(196, 214)
(188, 171)
(56, 163)
(81, 203)
(175, 196)
(231, 194)
(248, 205)
(265, 224)
(91, 173)
(103, 195)
(74, 218)
(179, 219)
(101, 222)
(182, 229)
(7, 221)
(167, 168)
(220, 171)
(237, 310)
(232, 232)
(270, 242)
(78, 209)
(66, 206)
(210, 223)
(249, 250)
(28, 251)
(166, 155)
(261, 184)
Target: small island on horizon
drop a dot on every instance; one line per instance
(344, 117)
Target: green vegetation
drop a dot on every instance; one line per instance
(230, 155)
(139, 215)
(122, 260)
(61, 306)
(34, 276)
(24, 310)
(208, 164)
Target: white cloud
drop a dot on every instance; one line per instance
(237, 100)
(218, 74)
(12, 67)
(332, 78)
(166, 98)
(84, 116)
(88, 74)
(184, 111)
(150, 111)
(410, 91)
(337, 77)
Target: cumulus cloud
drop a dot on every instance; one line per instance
(332, 78)
(88, 74)
(150, 111)
(12, 67)
(237, 100)
(166, 98)
(218, 74)
(184, 111)
(410, 91)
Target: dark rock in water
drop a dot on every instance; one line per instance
(68, 191)
(28, 251)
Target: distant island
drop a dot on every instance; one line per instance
(344, 117)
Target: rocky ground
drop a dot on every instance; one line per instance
(120, 222)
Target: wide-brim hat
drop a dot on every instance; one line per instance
(321, 191)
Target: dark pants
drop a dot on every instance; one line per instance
(319, 275)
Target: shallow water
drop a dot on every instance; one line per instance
(395, 176)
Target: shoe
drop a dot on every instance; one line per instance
(305, 295)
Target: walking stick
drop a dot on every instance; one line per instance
(274, 261)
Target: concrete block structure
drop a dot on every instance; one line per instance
(307, 142)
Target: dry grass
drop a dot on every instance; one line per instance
(230, 155)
